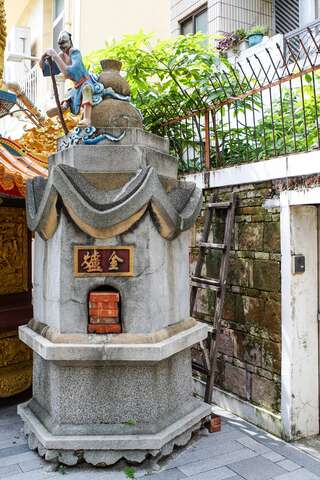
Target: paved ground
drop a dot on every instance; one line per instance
(239, 451)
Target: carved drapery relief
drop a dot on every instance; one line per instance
(13, 251)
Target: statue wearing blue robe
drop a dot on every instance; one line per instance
(78, 95)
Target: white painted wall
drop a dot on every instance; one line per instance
(299, 307)
(107, 20)
(292, 165)
(307, 11)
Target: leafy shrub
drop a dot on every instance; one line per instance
(169, 77)
(258, 30)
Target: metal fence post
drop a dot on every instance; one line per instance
(207, 141)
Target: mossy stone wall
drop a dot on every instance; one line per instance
(250, 344)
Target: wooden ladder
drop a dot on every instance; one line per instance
(209, 352)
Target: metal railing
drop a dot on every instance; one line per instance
(29, 79)
(302, 40)
(33, 86)
(267, 106)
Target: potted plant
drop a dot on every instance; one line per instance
(231, 41)
(256, 34)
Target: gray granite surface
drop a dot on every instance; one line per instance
(239, 452)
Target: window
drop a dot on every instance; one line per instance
(197, 22)
(292, 14)
(308, 12)
(22, 41)
(58, 20)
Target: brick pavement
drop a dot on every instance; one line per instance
(240, 451)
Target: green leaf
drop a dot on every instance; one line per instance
(129, 472)
(131, 421)
(308, 78)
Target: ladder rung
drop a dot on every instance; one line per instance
(218, 246)
(219, 205)
(201, 283)
(209, 281)
(199, 368)
(205, 286)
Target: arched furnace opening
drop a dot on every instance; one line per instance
(104, 310)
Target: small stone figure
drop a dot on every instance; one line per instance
(87, 91)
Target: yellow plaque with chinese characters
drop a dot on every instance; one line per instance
(13, 251)
(92, 261)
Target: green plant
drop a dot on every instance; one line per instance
(231, 40)
(130, 421)
(241, 33)
(62, 469)
(291, 125)
(129, 472)
(169, 77)
(258, 30)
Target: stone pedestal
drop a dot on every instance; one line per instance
(101, 397)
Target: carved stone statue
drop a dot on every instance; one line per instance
(110, 91)
(87, 90)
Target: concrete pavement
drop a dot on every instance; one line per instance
(240, 451)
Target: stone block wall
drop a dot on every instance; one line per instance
(249, 348)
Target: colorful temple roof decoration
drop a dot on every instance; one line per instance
(42, 142)
(17, 165)
(7, 101)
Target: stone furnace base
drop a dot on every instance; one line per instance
(103, 450)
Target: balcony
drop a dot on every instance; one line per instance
(37, 88)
